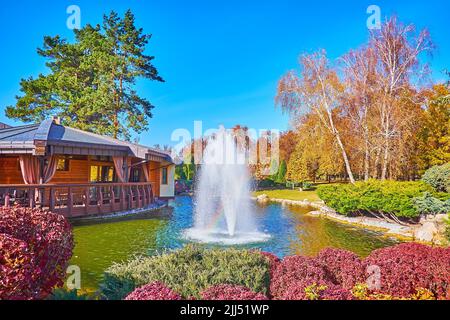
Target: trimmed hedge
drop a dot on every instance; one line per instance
(390, 197)
(189, 271)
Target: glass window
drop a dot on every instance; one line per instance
(102, 174)
(135, 175)
(164, 176)
(63, 164)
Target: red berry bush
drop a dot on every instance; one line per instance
(153, 291)
(407, 267)
(231, 292)
(35, 247)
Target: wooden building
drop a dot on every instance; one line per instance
(79, 173)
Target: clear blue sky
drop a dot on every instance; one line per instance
(221, 59)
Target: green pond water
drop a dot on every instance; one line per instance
(292, 232)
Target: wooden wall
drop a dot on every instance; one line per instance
(78, 173)
(10, 171)
(155, 176)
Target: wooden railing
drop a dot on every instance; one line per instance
(76, 200)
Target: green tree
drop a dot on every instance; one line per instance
(281, 174)
(91, 83)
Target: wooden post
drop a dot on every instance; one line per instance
(138, 197)
(113, 198)
(70, 201)
(100, 199)
(52, 199)
(32, 203)
(87, 200)
(130, 197)
(7, 199)
(122, 197)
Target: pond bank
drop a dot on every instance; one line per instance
(428, 230)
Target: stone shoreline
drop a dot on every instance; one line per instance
(427, 230)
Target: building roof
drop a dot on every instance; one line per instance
(4, 125)
(52, 138)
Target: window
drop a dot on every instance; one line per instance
(63, 164)
(164, 176)
(135, 175)
(102, 174)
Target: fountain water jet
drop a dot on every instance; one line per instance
(222, 201)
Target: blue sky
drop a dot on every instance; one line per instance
(221, 59)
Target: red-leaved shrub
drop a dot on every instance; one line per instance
(231, 292)
(295, 270)
(406, 267)
(342, 267)
(35, 247)
(153, 291)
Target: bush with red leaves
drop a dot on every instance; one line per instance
(35, 247)
(154, 291)
(298, 270)
(342, 267)
(406, 267)
(231, 292)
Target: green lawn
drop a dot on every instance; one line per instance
(289, 194)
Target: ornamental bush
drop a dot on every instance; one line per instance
(427, 204)
(189, 271)
(438, 177)
(343, 268)
(333, 273)
(297, 271)
(231, 292)
(153, 291)
(374, 196)
(407, 267)
(35, 247)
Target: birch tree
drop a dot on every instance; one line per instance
(318, 90)
(398, 50)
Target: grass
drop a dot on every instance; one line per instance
(289, 194)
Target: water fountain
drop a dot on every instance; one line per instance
(222, 200)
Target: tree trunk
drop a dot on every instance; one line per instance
(346, 161)
(385, 160)
(116, 114)
(366, 159)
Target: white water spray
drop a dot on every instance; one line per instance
(222, 201)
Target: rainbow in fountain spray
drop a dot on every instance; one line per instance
(222, 199)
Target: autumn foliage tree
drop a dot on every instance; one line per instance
(369, 112)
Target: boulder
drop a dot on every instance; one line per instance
(263, 198)
(426, 232)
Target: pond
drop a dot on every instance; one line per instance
(292, 232)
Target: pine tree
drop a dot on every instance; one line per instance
(91, 82)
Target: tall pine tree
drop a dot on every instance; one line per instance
(91, 83)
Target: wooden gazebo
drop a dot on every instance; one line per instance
(79, 173)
